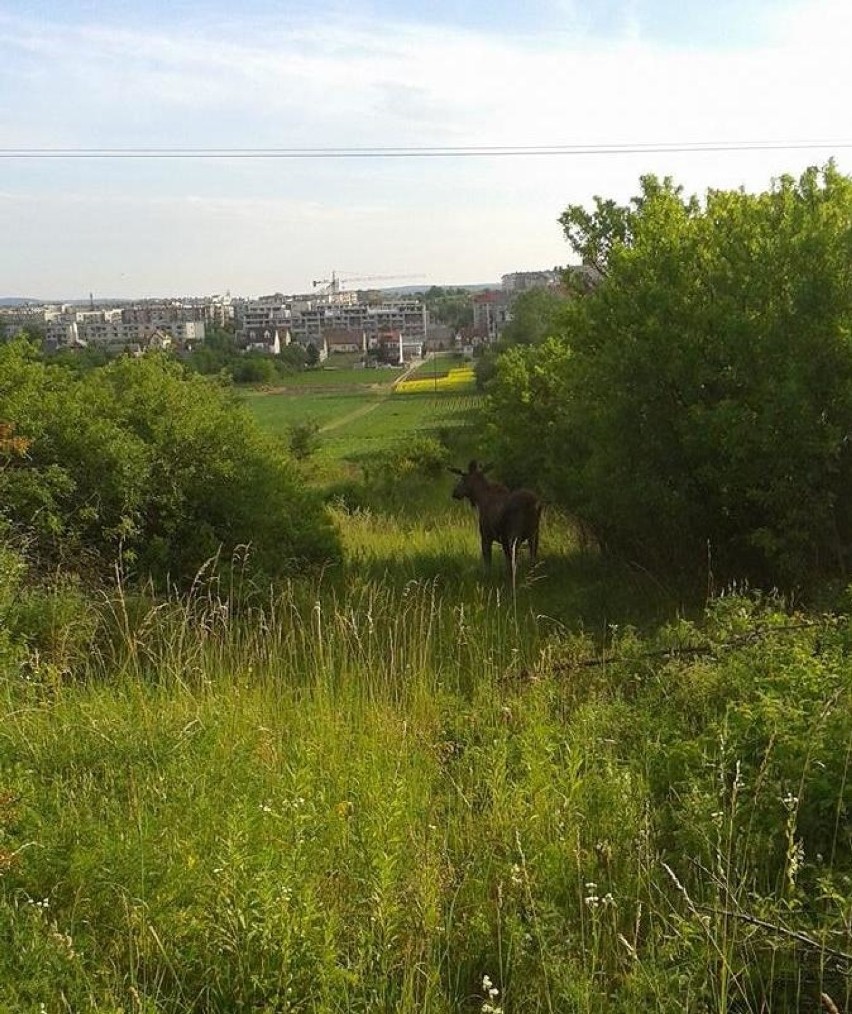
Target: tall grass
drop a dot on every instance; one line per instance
(371, 794)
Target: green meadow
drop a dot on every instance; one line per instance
(362, 420)
(399, 785)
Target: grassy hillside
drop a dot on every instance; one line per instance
(399, 786)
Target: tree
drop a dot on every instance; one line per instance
(536, 315)
(253, 368)
(452, 307)
(293, 358)
(595, 235)
(702, 394)
(303, 439)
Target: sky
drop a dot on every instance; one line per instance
(367, 75)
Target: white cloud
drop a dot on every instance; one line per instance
(371, 85)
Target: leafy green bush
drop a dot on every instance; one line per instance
(304, 439)
(700, 398)
(12, 570)
(142, 461)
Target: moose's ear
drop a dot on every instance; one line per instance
(455, 471)
(486, 468)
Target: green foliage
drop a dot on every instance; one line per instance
(400, 475)
(139, 459)
(253, 368)
(450, 306)
(707, 397)
(529, 399)
(219, 354)
(12, 573)
(536, 316)
(82, 360)
(32, 334)
(304, 438)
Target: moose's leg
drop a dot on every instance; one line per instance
(510, 551)
(533, 544)
(486, 552)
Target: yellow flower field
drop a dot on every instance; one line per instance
(458, 379)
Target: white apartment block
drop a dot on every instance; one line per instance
(308, 320)
(118, 334)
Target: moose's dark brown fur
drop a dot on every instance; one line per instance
(509, 517)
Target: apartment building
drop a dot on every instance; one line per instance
(311, 320)
(490, 313)
(407, 316)
(521, 281)
(95, 328)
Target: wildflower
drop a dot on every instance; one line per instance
(490, 1006)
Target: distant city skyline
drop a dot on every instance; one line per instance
(367, 75)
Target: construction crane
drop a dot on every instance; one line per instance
(334, 283)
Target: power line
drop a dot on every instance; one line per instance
(449, 151)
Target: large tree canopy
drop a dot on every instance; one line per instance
(700, 398)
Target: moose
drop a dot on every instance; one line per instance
(509, 517)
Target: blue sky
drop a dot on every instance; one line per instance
(373, 74)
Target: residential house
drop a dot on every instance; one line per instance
(338, 339)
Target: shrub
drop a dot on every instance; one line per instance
(304, 439)
(142, 460)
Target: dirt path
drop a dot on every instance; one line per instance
(372, 406)
(356, 414)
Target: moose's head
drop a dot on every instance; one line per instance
(471, 482)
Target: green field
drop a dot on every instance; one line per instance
(355, 425)
(276, 411)
(330, 377)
